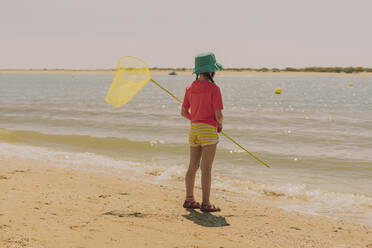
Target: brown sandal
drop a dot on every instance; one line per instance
(191, 204)
(209, 208)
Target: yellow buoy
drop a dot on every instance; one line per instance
(351, 84)
(278, 91)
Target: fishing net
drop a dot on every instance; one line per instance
(131, 75)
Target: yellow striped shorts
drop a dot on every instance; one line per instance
(202, 134)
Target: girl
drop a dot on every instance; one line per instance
(203, 99)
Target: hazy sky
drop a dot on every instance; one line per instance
(169, 33)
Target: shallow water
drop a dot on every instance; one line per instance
(316, 135)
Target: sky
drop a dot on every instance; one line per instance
(77, 34)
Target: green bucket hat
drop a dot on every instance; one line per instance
(206, 62)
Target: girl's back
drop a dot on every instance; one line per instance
(203, 98)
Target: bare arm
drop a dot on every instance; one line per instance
(219, 116)
(185, 113)
(219, 119)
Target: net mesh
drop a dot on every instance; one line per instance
(131, 75)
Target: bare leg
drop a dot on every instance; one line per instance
(207, 158)
(195, 154)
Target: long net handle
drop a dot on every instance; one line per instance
(227, 136)
(170, 93)
(236, 143)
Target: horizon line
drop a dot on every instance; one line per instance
(334, 69)
(185, 68)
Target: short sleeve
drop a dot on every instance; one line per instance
(186, 102)
(217, 99)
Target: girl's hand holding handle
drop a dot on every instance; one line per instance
(219, 128)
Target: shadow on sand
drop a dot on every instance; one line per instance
(205, 219)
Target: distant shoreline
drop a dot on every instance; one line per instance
(159, 71)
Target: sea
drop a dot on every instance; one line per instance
(316, 135)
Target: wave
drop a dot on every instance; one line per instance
(132, 140)
(101, 121)
(300, 192)
(85, 141)
(61, 110)
(356, 207)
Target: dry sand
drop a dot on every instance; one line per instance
(46, 206)
(187, 72)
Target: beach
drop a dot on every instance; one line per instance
(51, 206)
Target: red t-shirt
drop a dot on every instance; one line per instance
(203, 98)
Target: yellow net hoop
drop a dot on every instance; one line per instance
(131, 75)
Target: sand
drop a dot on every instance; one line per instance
(187, 72)
(43, 205)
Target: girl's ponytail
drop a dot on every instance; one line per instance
(210, 77)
